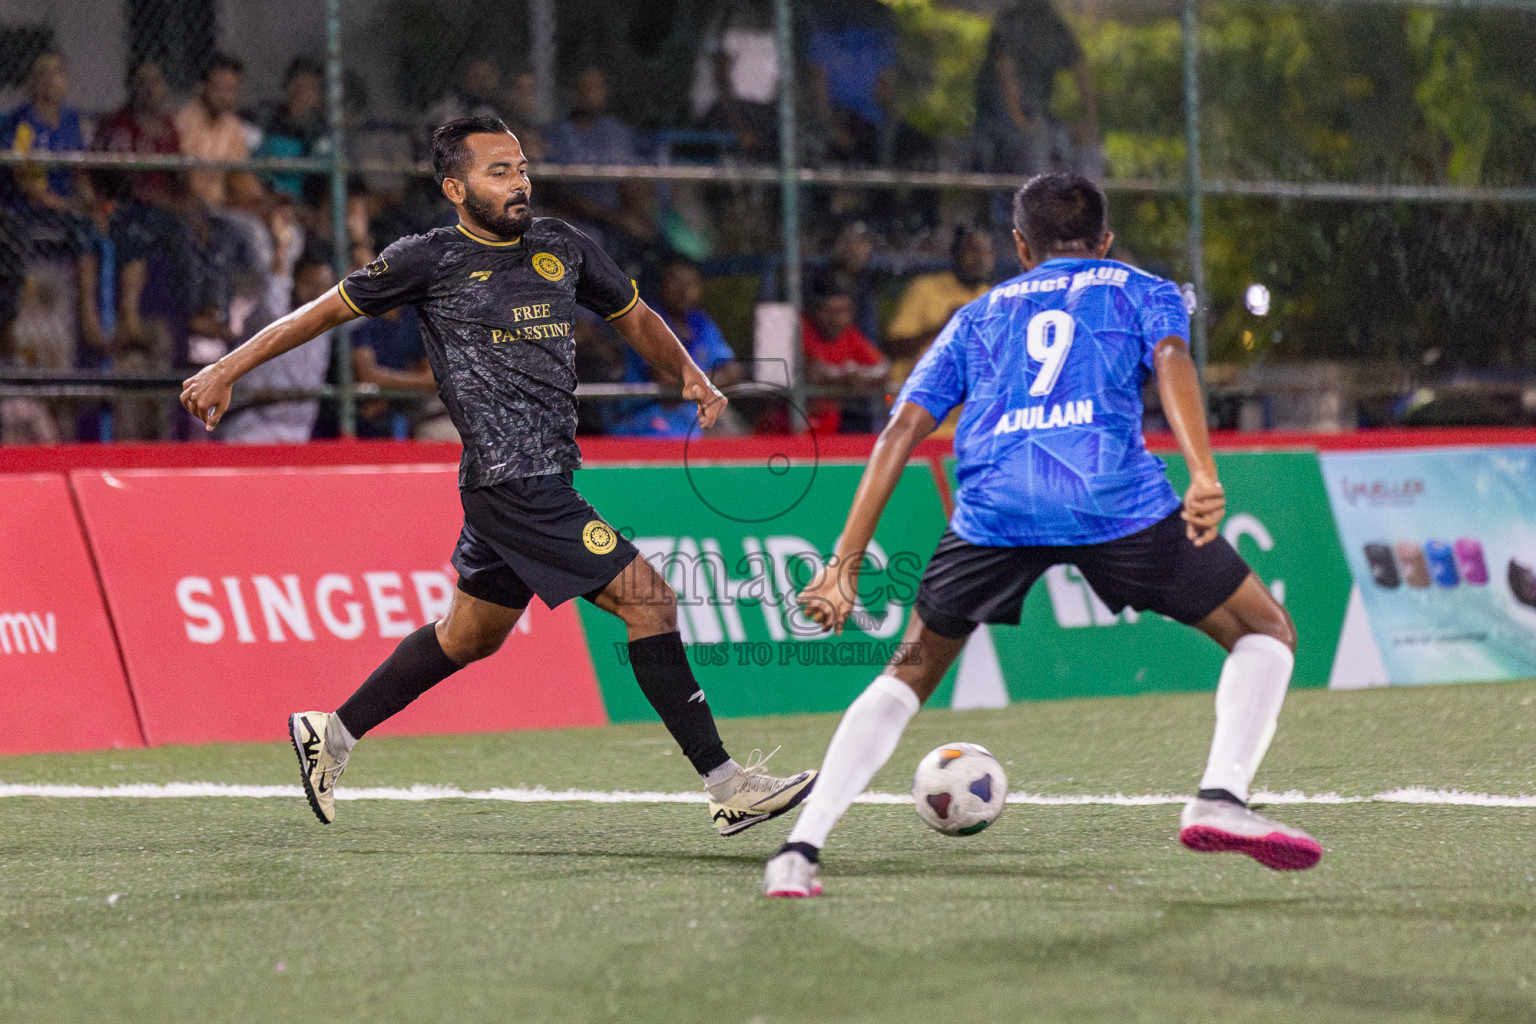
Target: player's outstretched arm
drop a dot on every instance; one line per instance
(206, 394)
(831, 596)
(649, 335)
(1205, 503)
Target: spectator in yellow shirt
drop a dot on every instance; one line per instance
(931, 299)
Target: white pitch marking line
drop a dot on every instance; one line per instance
(540, 795)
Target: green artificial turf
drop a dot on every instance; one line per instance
(249, 910)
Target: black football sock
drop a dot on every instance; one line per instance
(417, 665)
(1225, 795)
(661, 668)
(805, 850)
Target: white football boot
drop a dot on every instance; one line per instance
(791, 875)
(318, 770)
(1216, 826)
(759, 796)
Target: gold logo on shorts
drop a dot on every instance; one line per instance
(549, 266)
(599, 537)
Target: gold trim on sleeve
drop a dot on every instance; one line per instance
(341, 289)
(629, 306)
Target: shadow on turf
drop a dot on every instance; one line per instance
(756, 858)
(924, 866)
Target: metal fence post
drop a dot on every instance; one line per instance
(541, 56)
(1195, 183)
(341, 349)
(789, 172)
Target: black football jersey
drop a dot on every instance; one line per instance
(496, 319)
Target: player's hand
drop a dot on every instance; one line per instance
(1205, 504)
(830, 597)
(698, 388)
(206, 395)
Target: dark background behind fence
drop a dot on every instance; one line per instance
(1353, 205)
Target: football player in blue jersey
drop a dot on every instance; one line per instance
(1053, 468)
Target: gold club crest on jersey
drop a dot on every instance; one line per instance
(599, 537)
(548, 266)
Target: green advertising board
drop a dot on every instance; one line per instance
(736, 542)
(1068, 644)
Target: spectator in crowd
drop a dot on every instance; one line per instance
(850, 269)
(295, 126)
(44, 124)
(26, 421)
(210, 130)
(620, 216)
(13, 278)
(929, 300)
(522, 104)
(678, 301)
(54, 207)
(272, 233)
(244, 263)
(838, 352)
(851, 55)
(599, 360)
(387, 352)
(22, 420)
(264, 421)
(141, 126)
(140, 210)
(736, 80)
(224, 286)
(480, 93)
(1015, 131)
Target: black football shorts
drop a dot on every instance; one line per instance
(1158, 568)
(536, 535)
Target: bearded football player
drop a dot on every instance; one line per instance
(496, 295)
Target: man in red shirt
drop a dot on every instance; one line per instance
(141, 126)
(837, 352)
(139, 213)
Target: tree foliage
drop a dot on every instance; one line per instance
(1366, 94)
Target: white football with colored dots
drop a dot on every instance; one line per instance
(959, 789)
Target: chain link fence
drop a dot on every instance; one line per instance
(1352, 203)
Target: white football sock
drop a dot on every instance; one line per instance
(722, 782)
(865, 739)
(338, 741)
(1248, 698)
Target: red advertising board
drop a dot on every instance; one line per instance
(61, 681)
(241, 595)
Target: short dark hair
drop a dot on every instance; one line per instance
(963, 234)
(678, 261)
(43, 55)
(138, 64)
(303, 66)
(449, 152)
(221, 61)
(1061, 210)
(311, 260)
(825, 286)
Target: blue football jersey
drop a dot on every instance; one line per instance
(1050, 366)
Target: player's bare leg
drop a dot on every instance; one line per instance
(865, 740)
(472, 629)
(739, 796)
(1261, 640)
